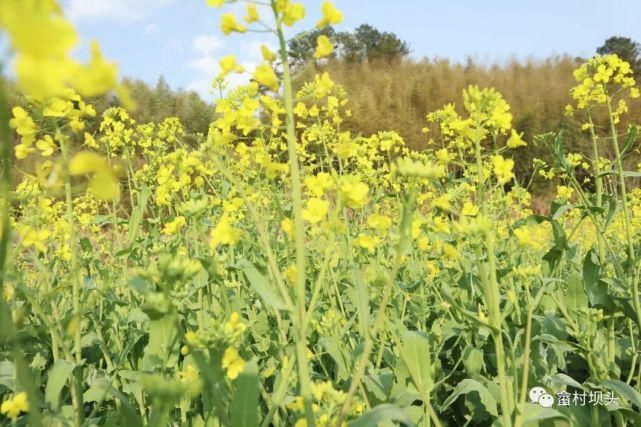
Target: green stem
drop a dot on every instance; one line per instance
(74, 275)
(526, 361)
(297, 206)
(599, 185)
(492, 298)
(626, 214)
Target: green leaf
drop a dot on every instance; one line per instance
(137, 215)
(534, 413)
(472, 361)
(380, 385)
(57, 377)
(558, 209)
(7, 374)
(415, 351)
(244, 404)
(576, 298)
(379, 414)
(612, 210)
(472, 386)
(162, 349)
(596, 290)
(624, 390)
(98, 391)
(563, 379)
(332, 345)
(633, 132)
(360, 298)
(259, 282)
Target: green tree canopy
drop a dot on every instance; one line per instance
(365, 43)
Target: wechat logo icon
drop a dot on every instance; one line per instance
(542, 397)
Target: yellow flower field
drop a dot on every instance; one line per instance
(284, 271)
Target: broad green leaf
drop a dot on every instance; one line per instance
(162, 349)
(332, 345)
(98, 391)
(137, 215)
(380, 385)
(7, 374)
(563, 379)
(576, 298)
(596, 290)
(624, 390)
(559, 209)
(472, 361)
(415, 351)
(57, 377)
(379, 414)
(360, 297)
(472, 386)
(535, 413)
(244, 404)
(259, 282)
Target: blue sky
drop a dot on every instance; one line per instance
(181, 40)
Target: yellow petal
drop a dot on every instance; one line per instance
(105, 185)
(86, 162)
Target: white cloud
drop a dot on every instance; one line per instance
(205, 64)
(202, 87)
(209, 49)
(206, 45)
(253, 50)
(121, 11)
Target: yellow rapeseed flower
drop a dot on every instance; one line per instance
(331, 15)
(268, 55)
(469, 209)
(287, 225)
(354, 192)
(367, 241)
(46, 145)
(228, 65)
(224, 234)
(14, 406)
(564, 193)
(379, 222)
(316, 185)
(104, 182)
(316, 210)
(174, 226)
(234, 327)
(324, 47)
(265, 75)
(252, 13)
(503, 169)
(291, 273)
(515, 140)
(22, 122)
(229, 24)
(232, 363)
(293, 13)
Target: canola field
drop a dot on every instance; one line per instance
(282, 271)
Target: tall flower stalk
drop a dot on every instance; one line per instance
(299, 235)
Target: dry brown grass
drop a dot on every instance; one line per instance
(399, 95)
